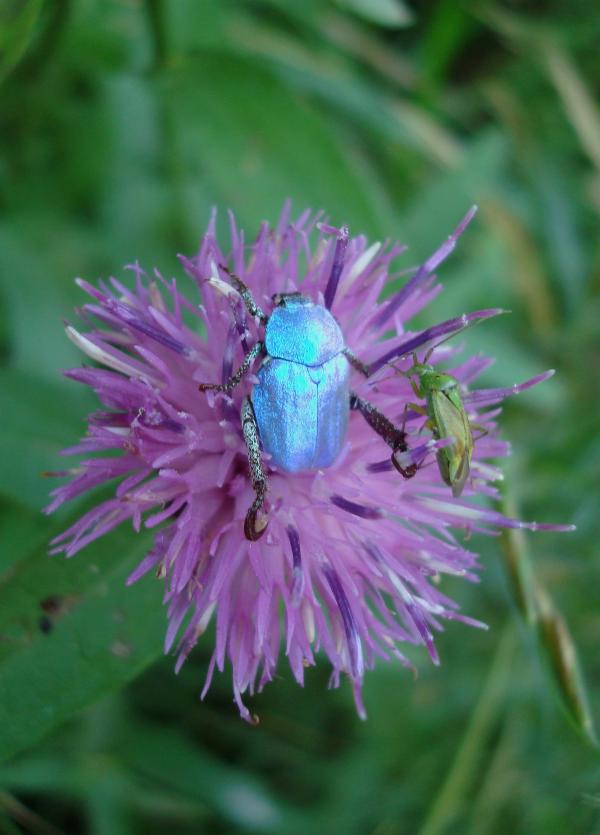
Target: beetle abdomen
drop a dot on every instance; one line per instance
(302, 413)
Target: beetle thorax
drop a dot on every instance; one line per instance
(303, 332)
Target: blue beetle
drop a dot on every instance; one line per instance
(298, 411)
(301, 400)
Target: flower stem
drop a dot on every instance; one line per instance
(25, 817)
(453, 793)
(553, 636)
(157, 24)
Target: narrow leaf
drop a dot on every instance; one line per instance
(71, 632)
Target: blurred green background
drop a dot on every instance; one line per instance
(121, 124)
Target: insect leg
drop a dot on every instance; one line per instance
(417, 389)
(232, 382)
(416, 407)
(420, 410)
(254, 528)
(251, 306)
(482, 430)
(354, 361)
(391, 434)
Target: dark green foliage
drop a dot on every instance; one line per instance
(121, 124)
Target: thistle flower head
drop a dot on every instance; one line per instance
(347, 561)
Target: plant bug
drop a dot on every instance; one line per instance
(446, 418)
(446, 414)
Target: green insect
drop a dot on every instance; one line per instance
(447, 418)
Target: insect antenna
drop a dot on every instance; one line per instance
(450, 336)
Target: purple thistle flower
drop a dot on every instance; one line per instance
(350, 550)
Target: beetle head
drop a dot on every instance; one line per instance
(289, 299)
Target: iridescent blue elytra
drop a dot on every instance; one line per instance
(302, 399)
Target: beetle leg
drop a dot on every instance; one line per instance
(251, 306)
(236, 378)
(391, 434)
(254, 527)
(354, 361)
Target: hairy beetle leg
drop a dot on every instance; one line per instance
(356, 363)
(405, 472)
(236, 378)
(391, 434)
(254, 525)
(251, 306)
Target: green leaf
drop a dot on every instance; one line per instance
(22, 529)
(38, 293)
(247, 142)
(39, 419)
(176, 762)
(342, 90)
(447, 196)
(7, 826)
(392, 14)
(18, 22)
(102, 635)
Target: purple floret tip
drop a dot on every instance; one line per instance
(433, 334)
(422, 274)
